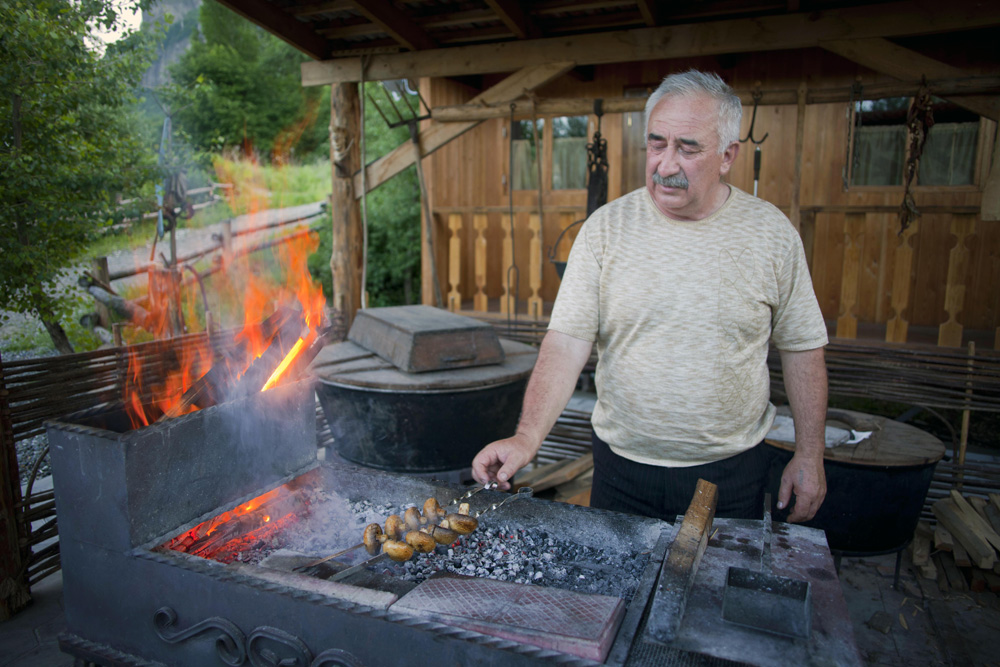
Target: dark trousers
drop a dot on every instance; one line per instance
(664, 493)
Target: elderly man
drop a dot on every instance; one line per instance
(682, 284)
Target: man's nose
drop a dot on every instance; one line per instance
(668, 165)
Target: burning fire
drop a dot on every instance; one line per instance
(276, 312)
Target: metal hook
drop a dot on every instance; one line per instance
(757, 95)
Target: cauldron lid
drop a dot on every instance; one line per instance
(349, 364)
(892, 443)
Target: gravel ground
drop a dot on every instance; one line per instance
(29, 450)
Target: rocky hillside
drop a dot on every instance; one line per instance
(185, 19)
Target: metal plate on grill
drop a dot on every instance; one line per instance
(580, 624)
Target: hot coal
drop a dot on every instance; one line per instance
(518, 555)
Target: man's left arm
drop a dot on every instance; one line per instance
(806, 387)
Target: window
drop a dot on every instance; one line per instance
(563, 155)
(569, 153)
(880, 146)
(524, 153)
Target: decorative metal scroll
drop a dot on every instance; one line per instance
(335, 657)
(266, 646)
(230, 644)
(272, 647)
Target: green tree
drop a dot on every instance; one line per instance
(239, 86)
(393, 219)
(68, 146)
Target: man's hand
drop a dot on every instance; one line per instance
(498, 461)
(805, 477)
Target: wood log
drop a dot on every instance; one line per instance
(976, 522)
(956, 580)
(559, 473)
(980, 551)
(943, 540)
(961, 556)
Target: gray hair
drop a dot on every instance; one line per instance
(694, 82)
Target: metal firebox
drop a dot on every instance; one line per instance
(123, 494)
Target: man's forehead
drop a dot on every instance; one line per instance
(688, 117)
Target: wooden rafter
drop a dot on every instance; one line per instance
(881, 55)
(964, 87)
(791, 31)
(323, 8)
(512, 16)
(281, 25)
(438, 134)
(648, 10)
(395, 23)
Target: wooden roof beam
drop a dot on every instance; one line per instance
(578, 106)
(649, 12)
(281, 25)
(437, 135)
(395, 23)
(881, 55)
(768, 33)
(513, 16)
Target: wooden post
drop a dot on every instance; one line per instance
(227, 241)
(963, 441)
(455, 263)
(99, 266)
(345, 260)
(902, 282)
(508, 301)
(854, 239)
(480, 302)
(800, 134)
(14, 591)
(950, 333)
(535, 266)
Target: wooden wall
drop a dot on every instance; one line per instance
(847, 232)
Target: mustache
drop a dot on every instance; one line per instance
(678, 180)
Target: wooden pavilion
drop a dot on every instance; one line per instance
(829, 83)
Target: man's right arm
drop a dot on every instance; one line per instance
(560, 360)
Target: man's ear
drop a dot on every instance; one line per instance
(729, 157)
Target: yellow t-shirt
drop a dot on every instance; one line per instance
(682, 313)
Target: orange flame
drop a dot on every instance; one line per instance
(259, 293)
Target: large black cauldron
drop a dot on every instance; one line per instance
(385, 418)
(875, 488)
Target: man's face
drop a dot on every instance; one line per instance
(683, 163)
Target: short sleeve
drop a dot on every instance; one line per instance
(576, 311)
(797, 323)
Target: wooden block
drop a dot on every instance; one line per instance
(943, 540)
(975, 522)
(577, 491)
(416, 339)
(978, 580)
(995, 500)
(992, 516)
(924, 528)
(921, 549)
(560, 474)
(681, 565)
(928, 570)
(961, 556)
(956, 580)
(992, 580)
(979, 504)
(942, 580)
(980, 551)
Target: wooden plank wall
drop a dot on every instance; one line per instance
(902, 282)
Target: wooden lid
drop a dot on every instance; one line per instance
(348, 364)
(891, 443)
(419, 339)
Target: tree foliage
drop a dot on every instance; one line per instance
(68, 148)
(393, 219)
(238, 86)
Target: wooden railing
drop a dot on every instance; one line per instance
(857, 256)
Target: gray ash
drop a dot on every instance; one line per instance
(527, 557)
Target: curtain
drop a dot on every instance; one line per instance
(879, 152)
(949, 154)
(569, 163)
